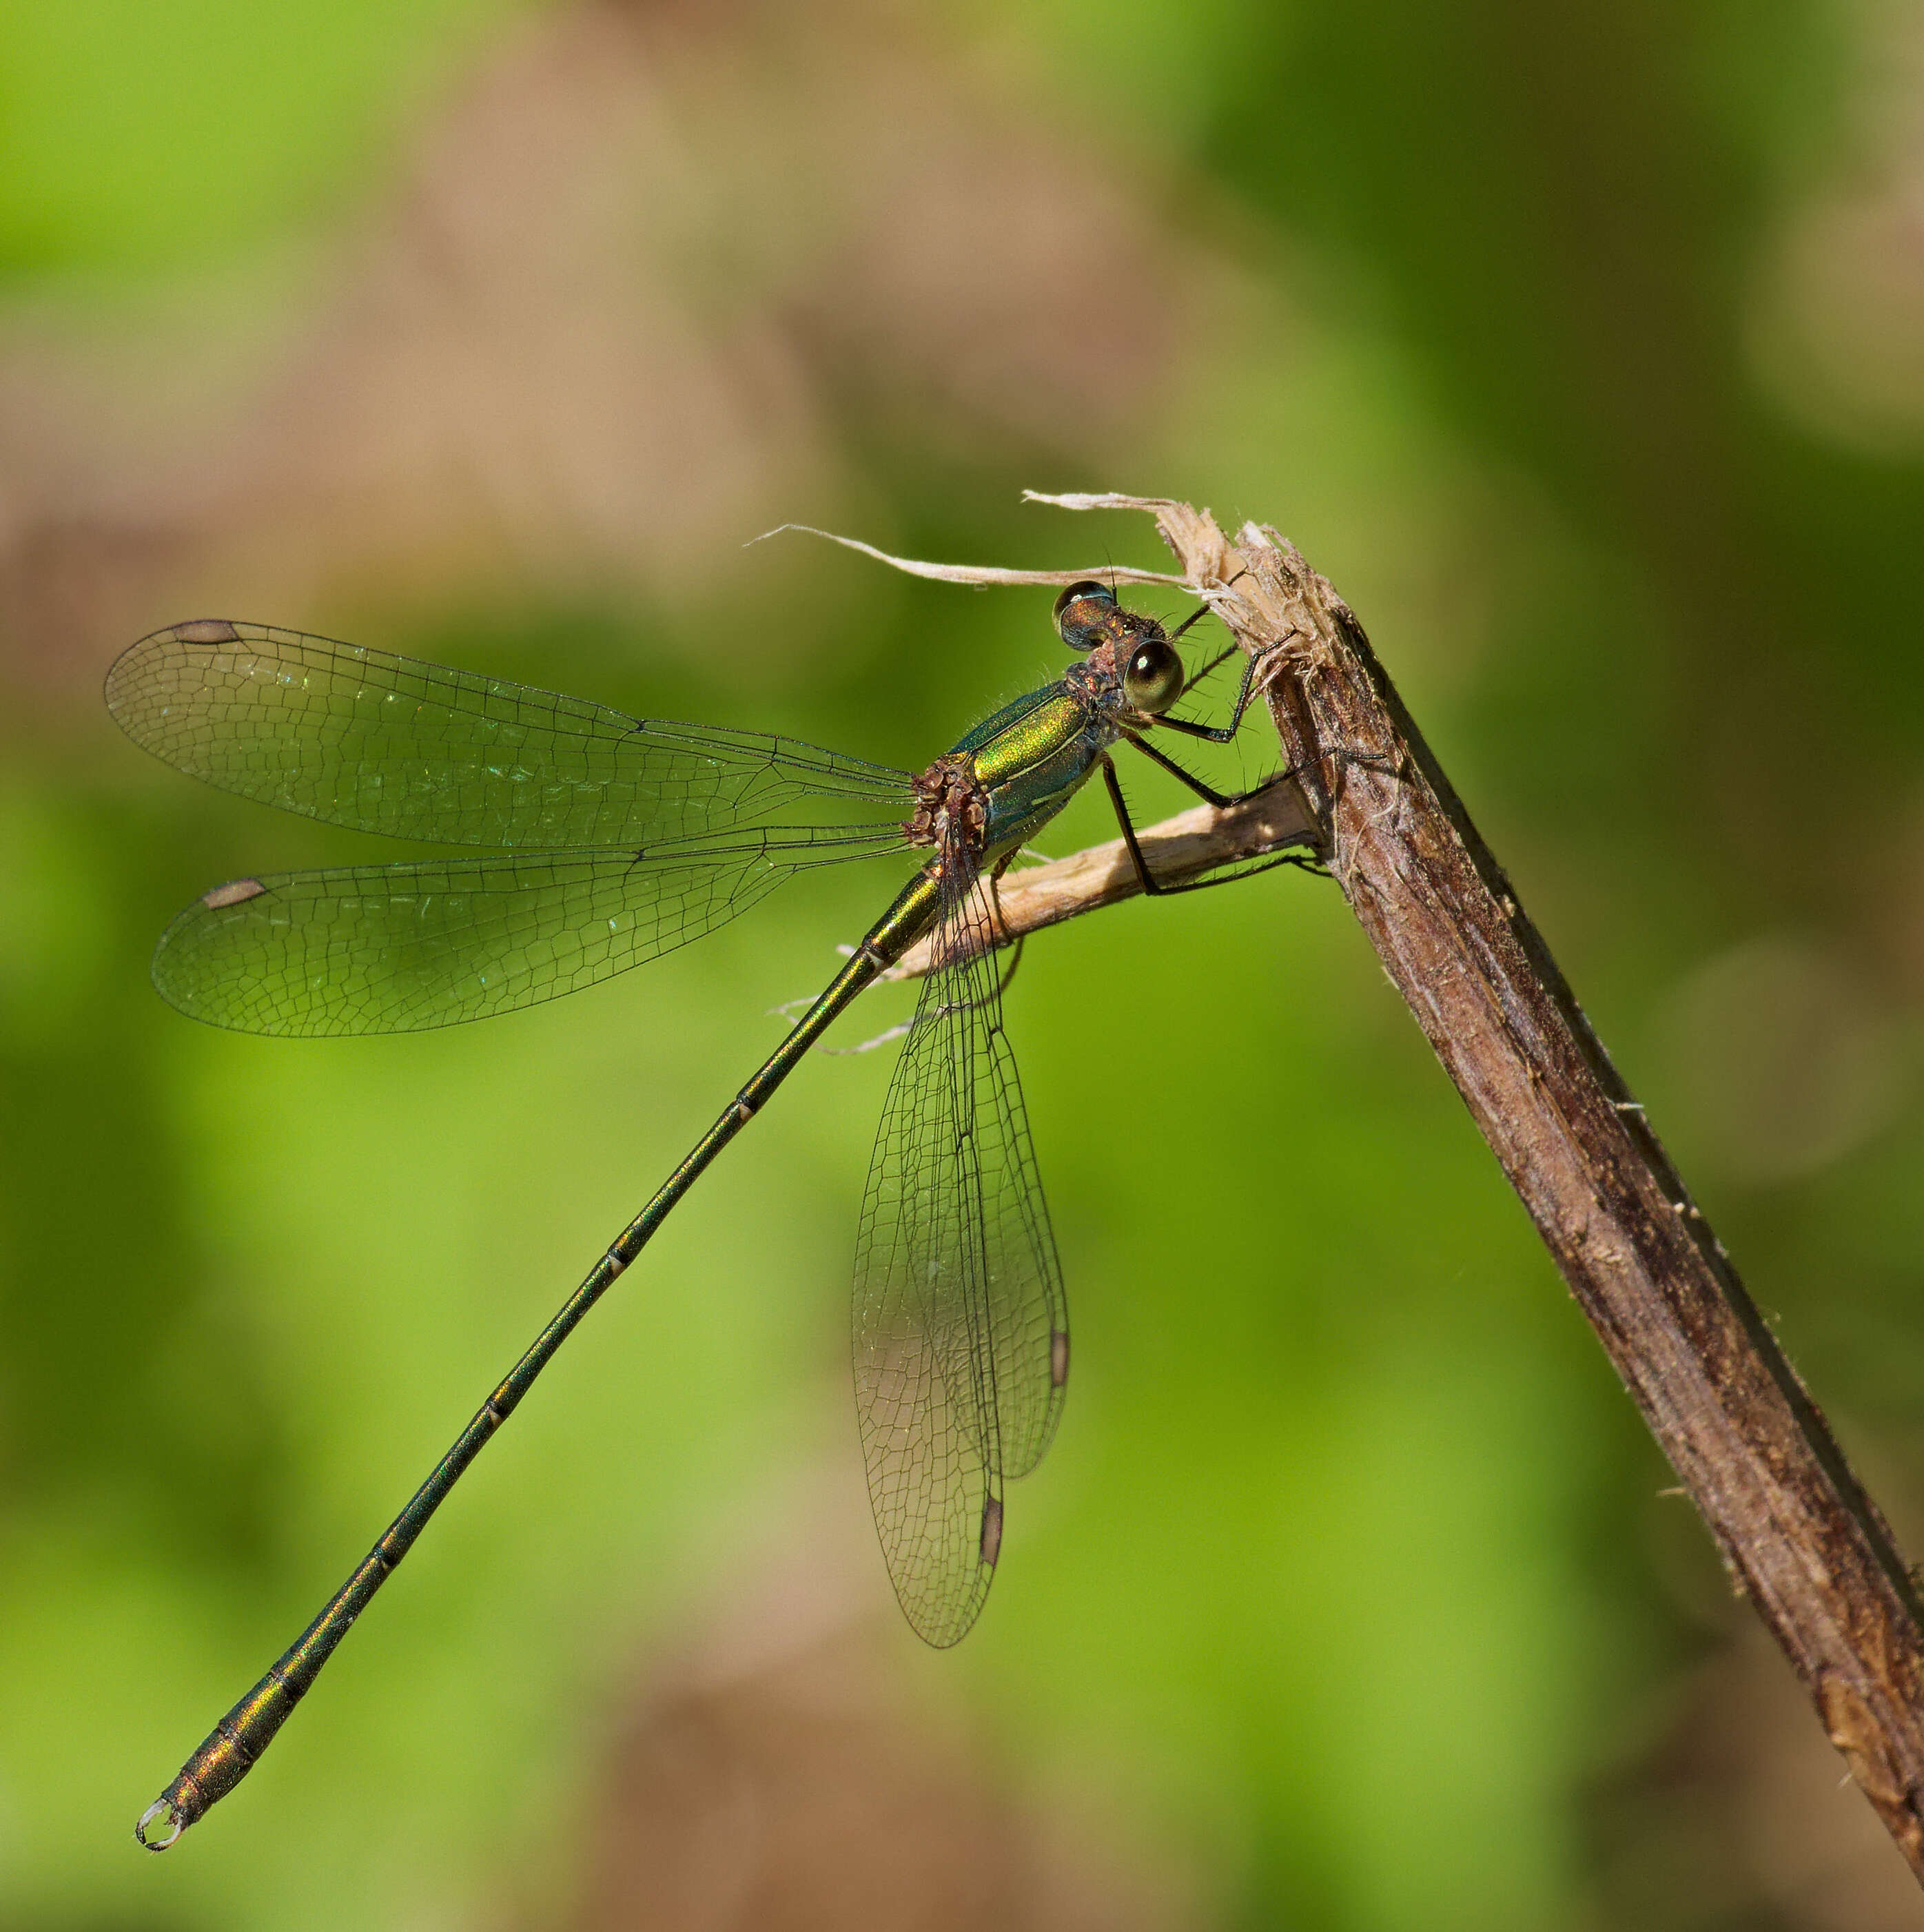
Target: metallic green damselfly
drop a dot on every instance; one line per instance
(614, 840)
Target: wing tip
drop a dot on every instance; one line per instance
(940, 1612)
(124, 682)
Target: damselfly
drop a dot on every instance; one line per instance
(614, 840)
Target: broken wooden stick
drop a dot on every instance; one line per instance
(1799, 1534)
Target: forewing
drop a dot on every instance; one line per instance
(387, 949)
(392, 745)
(961, 1332)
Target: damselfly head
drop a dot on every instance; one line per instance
(1087, 614)
(1126, 649)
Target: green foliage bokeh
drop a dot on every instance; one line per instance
(1349, 1569)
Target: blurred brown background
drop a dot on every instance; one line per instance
(1584, 352)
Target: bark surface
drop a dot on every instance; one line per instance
(1800, 1534)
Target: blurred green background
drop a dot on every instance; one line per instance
(1582, 350)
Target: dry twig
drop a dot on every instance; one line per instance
(1798, 1531)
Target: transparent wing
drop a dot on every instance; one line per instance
(961, 1325)
(389, 744)
(390, 948)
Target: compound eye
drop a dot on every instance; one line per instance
(1155, 679)
(1075, 594)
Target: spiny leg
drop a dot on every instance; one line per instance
(1222, 734)
(1303, 861)
(1221, 800)
(1214, 664)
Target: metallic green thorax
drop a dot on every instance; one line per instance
(1015, 771)
(1042, 749)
